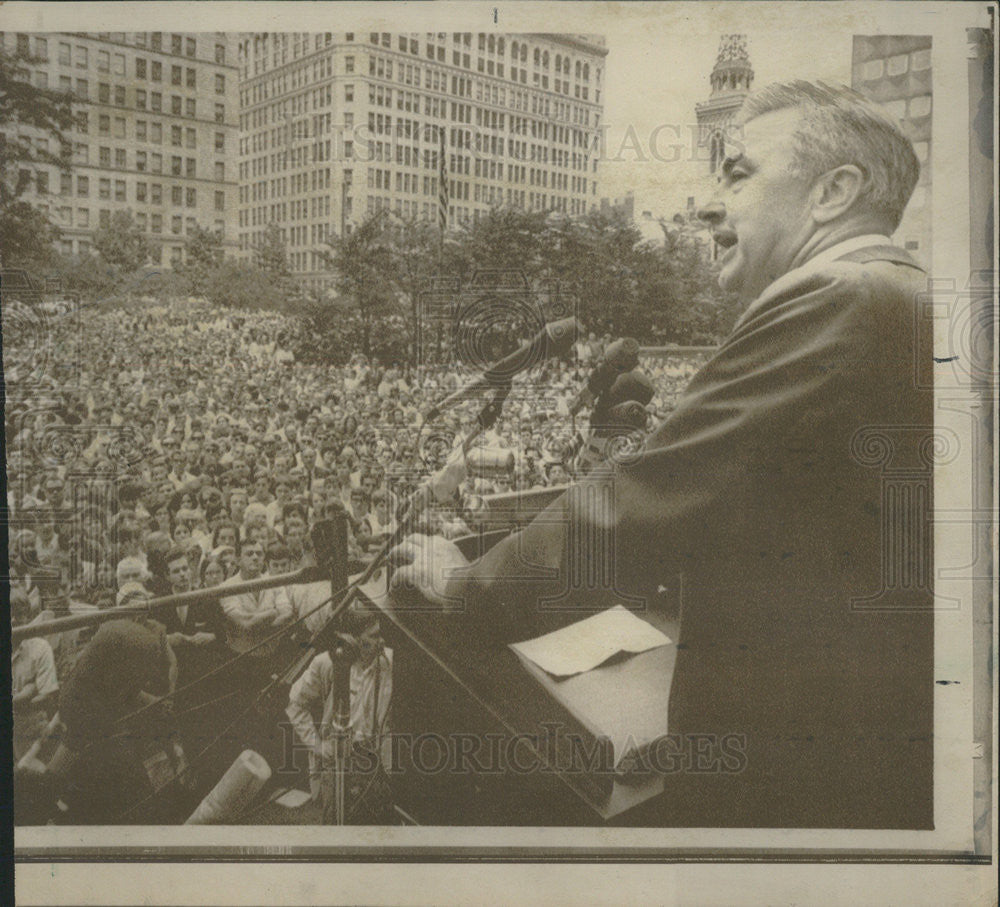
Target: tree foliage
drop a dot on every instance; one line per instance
(271, 254)
(121, 244)
(204, 254)
(28, 113)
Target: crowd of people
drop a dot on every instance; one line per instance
(154, 450)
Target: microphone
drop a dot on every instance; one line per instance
(620, 356)
(633, 386)
(555, 339)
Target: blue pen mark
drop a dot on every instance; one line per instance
(946, 359)
(494, 15)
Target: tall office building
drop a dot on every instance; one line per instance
(155, 134)
(334, 127)
(895, 71)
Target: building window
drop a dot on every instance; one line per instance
(64, 54)
(190, 47)
(157, 134)
(348, 64)
(82, 89)
(83, 186)
(189, 107)
(104, 189)
(120, 159)
(220, 113)
(104, 157)
(220, 141)
(176, 74)
(120, 95)
(140, 130)
(156, 101)
(177, 196)
(220, 83)
(156, 163)
(120, 190)
(156, 193)
(176, 135)
(104, 218)
(140, 161)
(175, 105)
(157, 222)
(82, 122)
(83, 217)
(140, 68)
(220, 53)
(140, 99)
(191, 198)
(220, 201)
(190, 139)
(156, 71)
(42, 183)
(104, 124)
(119, 127)
(220, 171)
(189, 167)
(176, 224)
(104, 93)
(190, 78)
(156, 40)
(175, 165)
(348, 93)
(81, 57)
(103, 61)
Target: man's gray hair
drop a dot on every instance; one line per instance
(840, 126)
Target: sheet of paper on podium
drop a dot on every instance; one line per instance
(591, 642)
(621, 699)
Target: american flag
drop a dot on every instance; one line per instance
(442, 186)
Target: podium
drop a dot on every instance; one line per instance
(482, 737)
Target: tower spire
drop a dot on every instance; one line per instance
(732, 71)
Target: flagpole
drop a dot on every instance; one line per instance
(442, 198)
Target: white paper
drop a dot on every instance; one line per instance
(585, 645)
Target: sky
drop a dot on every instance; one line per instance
(657, 74)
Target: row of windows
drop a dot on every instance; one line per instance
(186, 76)
(107, 61)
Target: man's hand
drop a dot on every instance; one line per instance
(202, 639)
(428, 563)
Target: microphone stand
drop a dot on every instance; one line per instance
(327, 638)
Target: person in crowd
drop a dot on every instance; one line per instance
(34, 680)
(312, 708)
(253, 616)
(120, 752)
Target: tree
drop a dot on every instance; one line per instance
(239, 284)
(364, 261)
(28, 237)
(31, 119)
(122, 245)
(204, 255)
(271, 254)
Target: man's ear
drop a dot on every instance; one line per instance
(836, 191)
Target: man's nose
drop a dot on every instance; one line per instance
(712, 214)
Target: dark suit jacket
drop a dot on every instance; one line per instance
(785, 504)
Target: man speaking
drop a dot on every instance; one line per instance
(802, 630)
